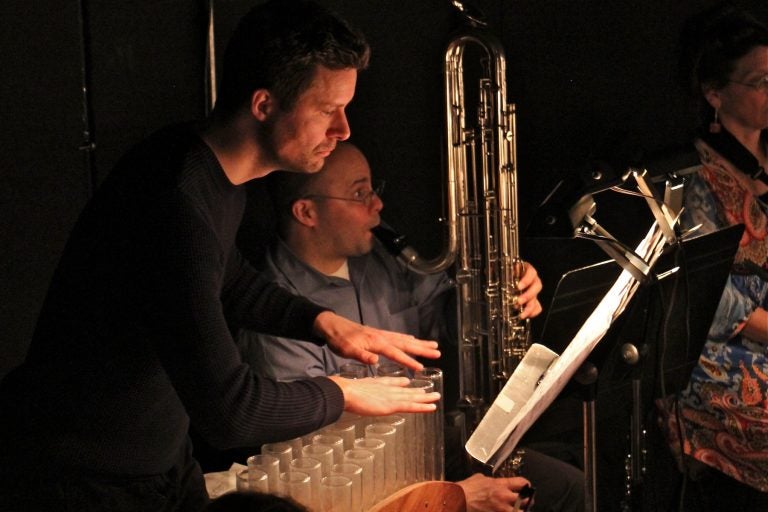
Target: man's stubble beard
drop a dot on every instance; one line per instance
(266, 139)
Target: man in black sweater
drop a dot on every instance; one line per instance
(133, 342)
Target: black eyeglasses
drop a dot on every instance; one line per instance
(363, 197)
(761, 84)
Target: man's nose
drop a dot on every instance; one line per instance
(376, 203)
(340, 126)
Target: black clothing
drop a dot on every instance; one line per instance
(133, 340)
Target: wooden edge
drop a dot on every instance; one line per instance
(430, 496)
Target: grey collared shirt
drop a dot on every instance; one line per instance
(381, 293)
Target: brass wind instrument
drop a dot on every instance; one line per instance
(482, 222)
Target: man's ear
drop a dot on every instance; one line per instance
(304, 212)
(262, 104)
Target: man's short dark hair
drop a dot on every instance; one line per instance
(278, 46)
(285, 188)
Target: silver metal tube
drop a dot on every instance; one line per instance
(210, 61)
(482, 223)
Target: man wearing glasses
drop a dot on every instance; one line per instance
(327, 253)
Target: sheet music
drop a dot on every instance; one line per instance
(493, 440)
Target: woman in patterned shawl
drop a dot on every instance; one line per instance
(722, 416)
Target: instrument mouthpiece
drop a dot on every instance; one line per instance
(393, 242)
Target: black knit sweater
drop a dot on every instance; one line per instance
(133, 340)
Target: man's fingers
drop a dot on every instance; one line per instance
(365, 344)
(402, 358)
(384, 395)
(399, 348)
(394, 381)
(423, 348)
(530, 293)
(419, 401)
(416, 347)
(531, 310)
(362, 355)
(517, 482)
(416, 407)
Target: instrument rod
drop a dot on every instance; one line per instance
(87, 146)
(210, 60)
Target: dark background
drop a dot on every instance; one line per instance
(592, 79)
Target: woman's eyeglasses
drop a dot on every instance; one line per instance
(761, 84)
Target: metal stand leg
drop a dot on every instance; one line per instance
(587, 377)
(635, 464)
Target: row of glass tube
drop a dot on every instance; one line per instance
(352, 464)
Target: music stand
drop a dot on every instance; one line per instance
(678, 305)
(577, 293)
